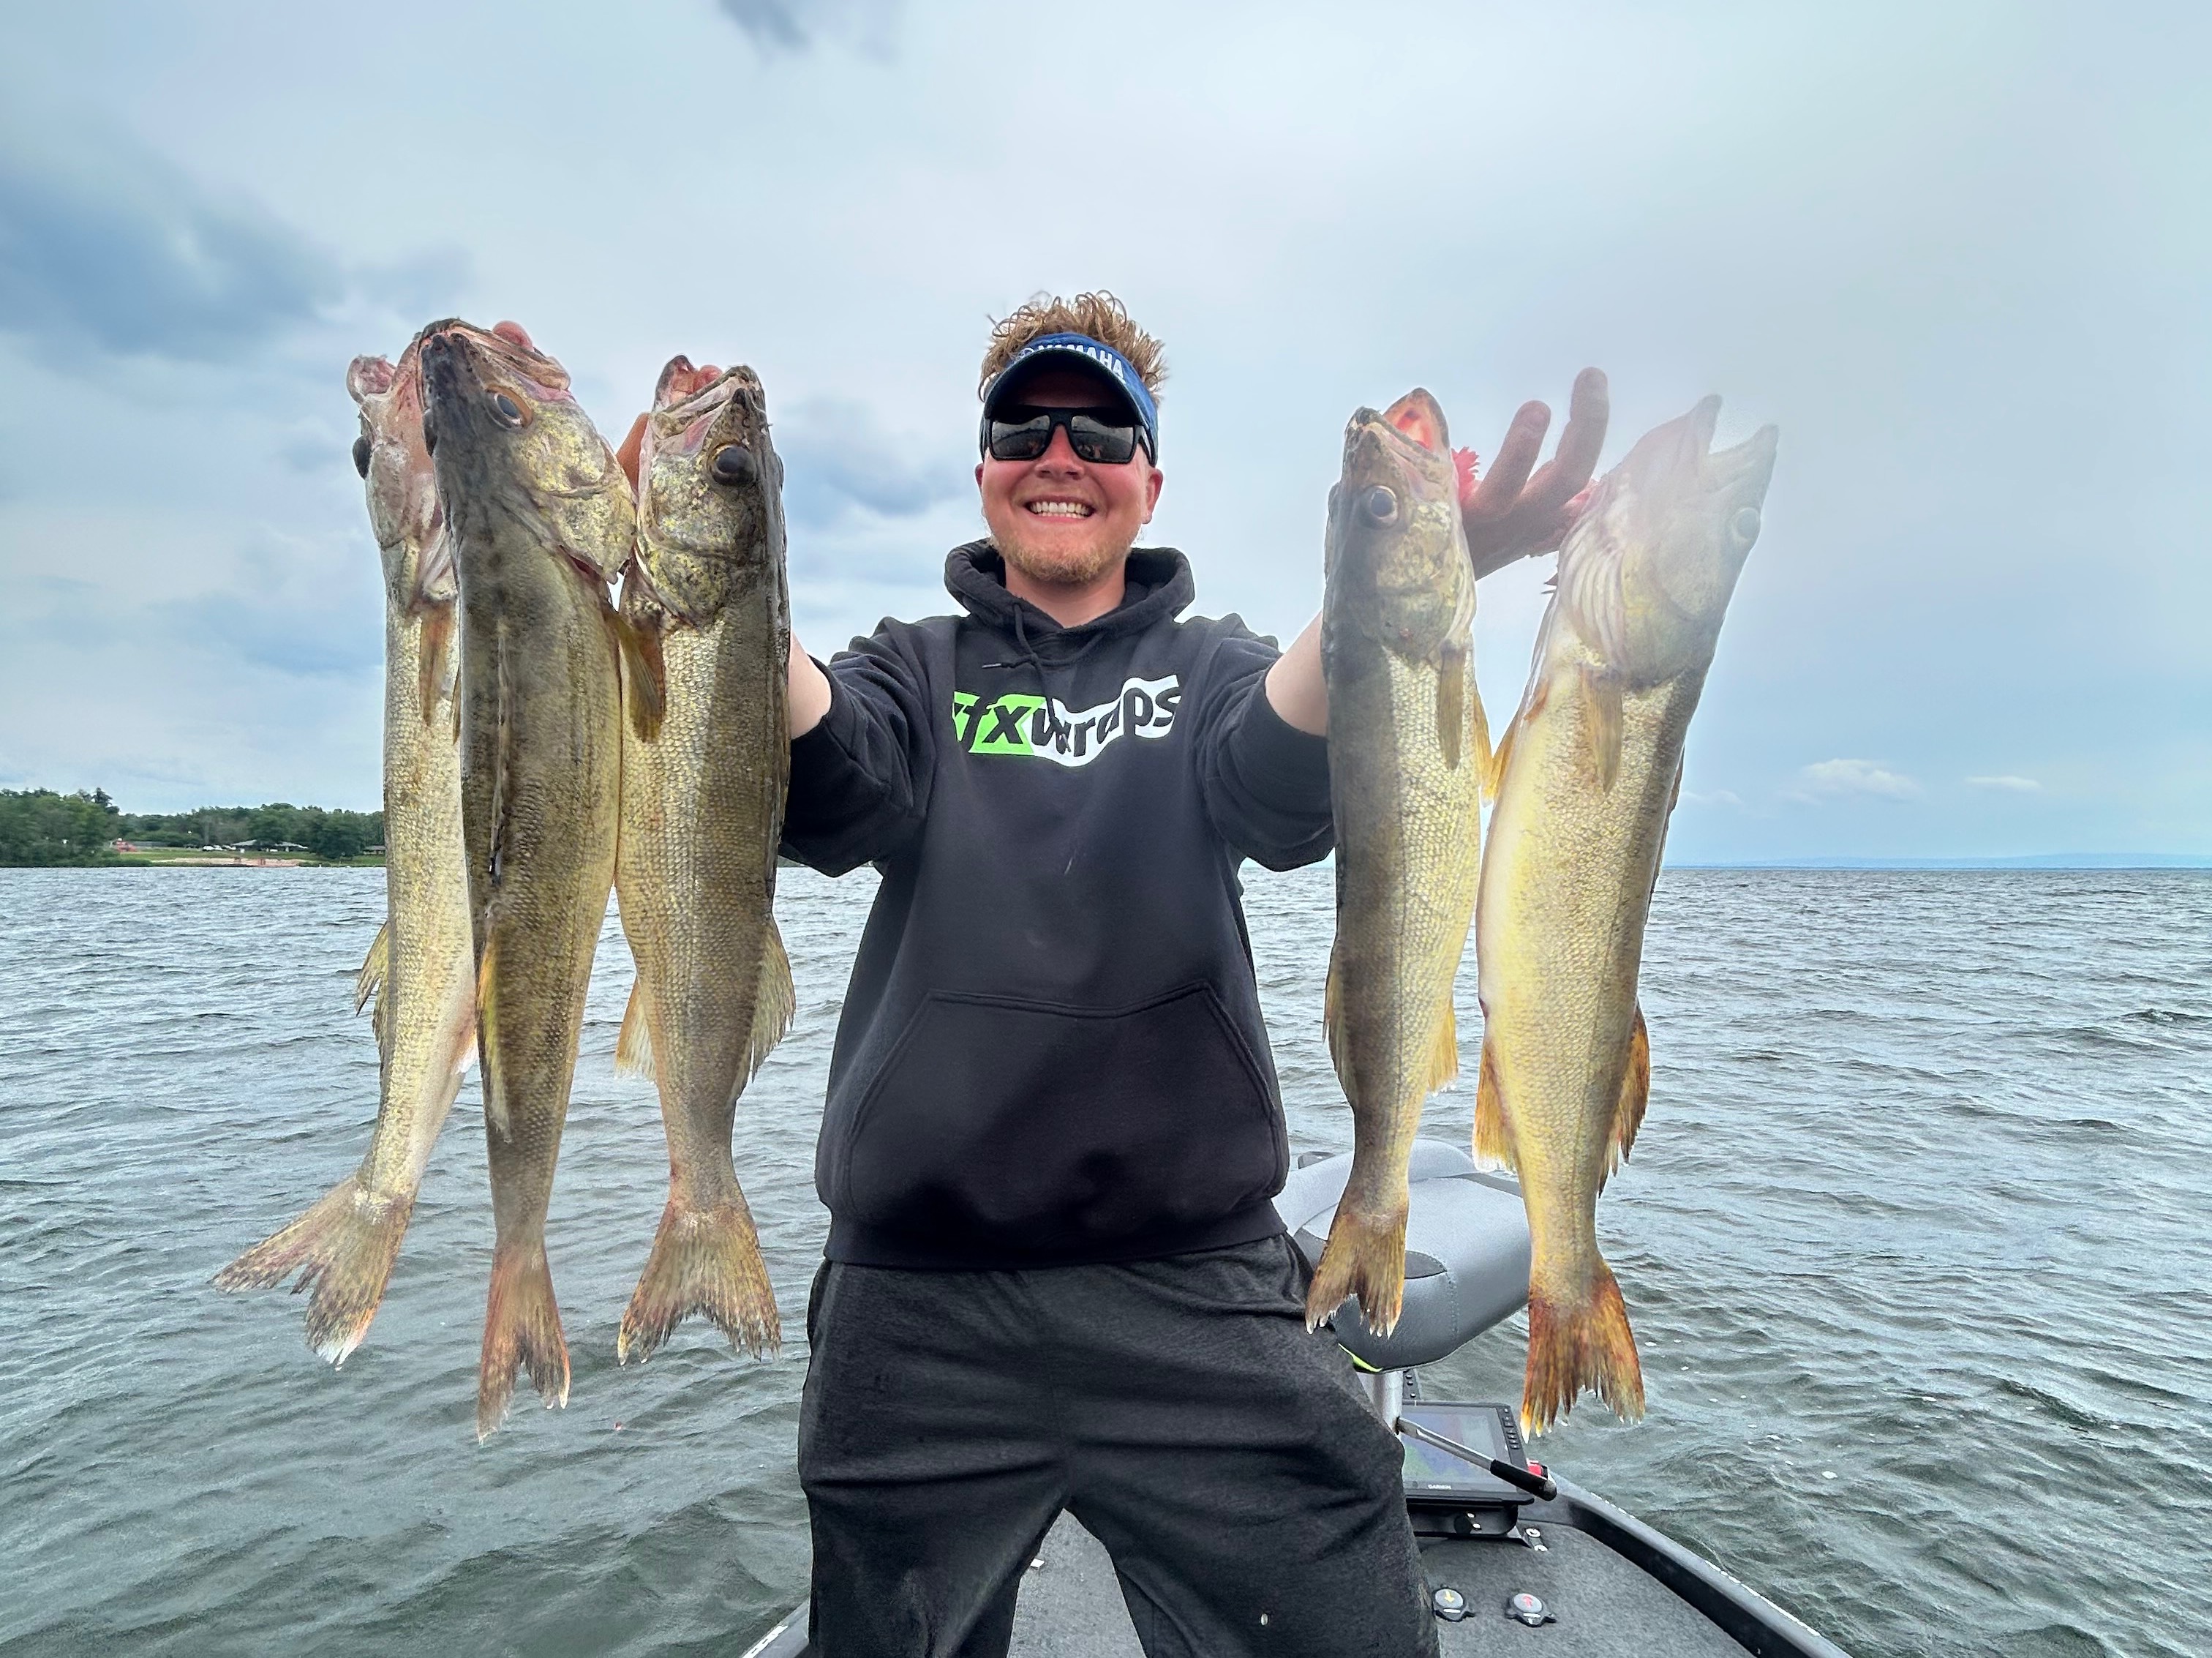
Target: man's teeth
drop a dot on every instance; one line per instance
(1059, 509)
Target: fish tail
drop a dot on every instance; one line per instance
(703, 1260)
(1365, 1257)
(1577, 1343)
(341, 1249)
(522, 1328)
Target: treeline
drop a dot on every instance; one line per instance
(39, 827)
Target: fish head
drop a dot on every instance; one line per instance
(402, 486)
(710, 491)
(1649, 568)
(1398, 567)
(508, 441)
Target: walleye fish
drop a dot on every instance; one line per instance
(706, 755)
(1587, 776)
(541, 519)
(421, 968)
(1408, 749)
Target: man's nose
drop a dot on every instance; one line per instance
(1060, 457)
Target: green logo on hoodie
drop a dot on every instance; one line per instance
(1046, 728)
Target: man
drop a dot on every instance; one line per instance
(1054, 1278)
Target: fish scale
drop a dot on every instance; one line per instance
(1407, 747)
(421, 970)
(1586, 778)
(541, 517)
(707, 757)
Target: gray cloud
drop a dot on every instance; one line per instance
(317, 625)
(105, 245)
(788, 28)
(839, 462)
(111, 248)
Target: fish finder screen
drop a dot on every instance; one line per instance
(1429, 1469)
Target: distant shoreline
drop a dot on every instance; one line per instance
(2084, 864)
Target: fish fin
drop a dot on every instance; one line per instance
(633, 1046)
(1591, 559)
(1493, 779)
(370, 981)
(502, 791)
(437, 578)
(1602, 723)
(341, 1249)
(1493, 1136)
(1444, 1052)
(645, 676)
(1332, 1010)
(703, 1260)
(433, 659)
(522, 1329)
(774, 1003)
(1364, 1257)
(494, 1096)
(1451, 702)
(1635, 1095)
(1485, 756)
(1579, 1344)
(374, 979)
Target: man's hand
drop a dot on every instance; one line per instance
(1511, 515)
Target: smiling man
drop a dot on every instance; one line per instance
(1054, 1278)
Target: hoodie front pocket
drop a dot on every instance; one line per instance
(1061, 1127)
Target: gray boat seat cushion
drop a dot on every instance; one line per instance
(1467, 1253)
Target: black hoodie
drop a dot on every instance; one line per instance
(1051, 1051)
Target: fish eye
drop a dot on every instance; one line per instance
(1378, 505)
(733, 463)
(508, 412)
(361, 451)
(1744, 526)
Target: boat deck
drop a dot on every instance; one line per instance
(1615, 1589)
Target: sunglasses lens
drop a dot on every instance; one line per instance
(1100, 444)
(1020, 440)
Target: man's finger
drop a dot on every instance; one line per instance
(1569, 470)
(629, 450)
(1495, 495)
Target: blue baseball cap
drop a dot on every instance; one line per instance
(1096, 355)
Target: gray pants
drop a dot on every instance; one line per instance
(1177, 1408)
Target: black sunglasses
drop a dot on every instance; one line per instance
(1097, 442)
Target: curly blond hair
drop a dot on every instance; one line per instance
(1099, 315)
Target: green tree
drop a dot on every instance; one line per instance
(39, 827)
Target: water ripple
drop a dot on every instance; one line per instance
(1914, 1238)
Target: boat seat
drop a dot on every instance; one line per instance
(1467, 1253)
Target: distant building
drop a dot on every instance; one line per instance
(123, 845)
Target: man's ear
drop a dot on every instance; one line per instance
(978, 477)
(1152, 491)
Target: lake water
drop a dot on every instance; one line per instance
(1917, 1240)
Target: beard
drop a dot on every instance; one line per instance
(1061, 565)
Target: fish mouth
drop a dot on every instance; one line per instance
(693, 407)
(1377, 451)
(1684, 446)
(1747, 468)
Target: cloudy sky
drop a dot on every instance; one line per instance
(1959, 253)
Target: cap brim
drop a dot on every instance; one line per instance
(1009, 387)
